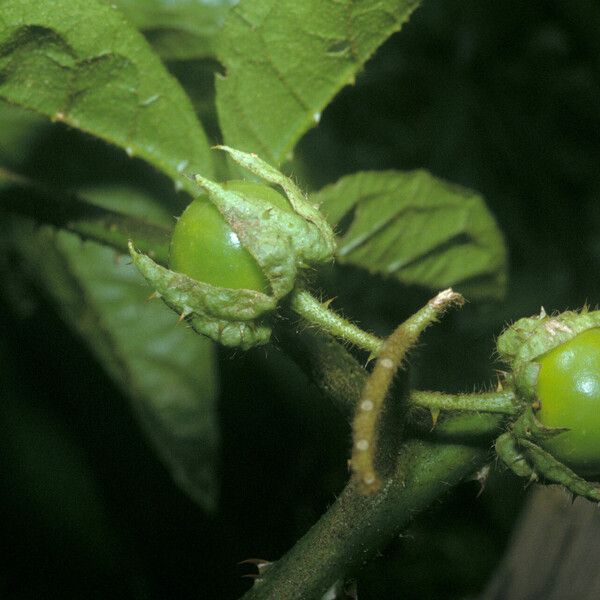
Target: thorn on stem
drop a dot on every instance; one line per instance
(260, 563)
(184, 313)
(327, 303)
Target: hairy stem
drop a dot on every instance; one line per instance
(317, 313)
(392, 353)
(333, 370)
(356, 527)
(500, 402)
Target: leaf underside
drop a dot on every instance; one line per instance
(178, 29)
(419, 230)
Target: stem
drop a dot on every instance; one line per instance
(356, 527)
(391, 356)
(341, 378)
(317, 313)
(503, 402)
(334, 371)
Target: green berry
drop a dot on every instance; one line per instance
(205, 248)
(568, 388)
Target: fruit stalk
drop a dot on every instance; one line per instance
(318, 313)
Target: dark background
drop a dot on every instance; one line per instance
(502, 97)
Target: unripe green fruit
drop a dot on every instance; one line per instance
(568, 388)
(205, 248)
(237, 252)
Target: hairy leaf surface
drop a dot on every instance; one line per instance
(417, 229)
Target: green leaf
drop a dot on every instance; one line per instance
(166, 369)
(20, 130)
(80, 62)
(90, 219)
(179, 29)
(285, 60)
(419, 230)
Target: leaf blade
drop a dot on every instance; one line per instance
(180, 29)
(81, 63)
(285, 61)
(90, 220)
(166, 370)
(418, 229)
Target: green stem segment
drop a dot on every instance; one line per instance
(370, 405)
(317, 313)
(500, 402)
(356, 527)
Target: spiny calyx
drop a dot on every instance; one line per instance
(278, 237)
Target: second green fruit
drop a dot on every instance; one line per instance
(568, 388)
